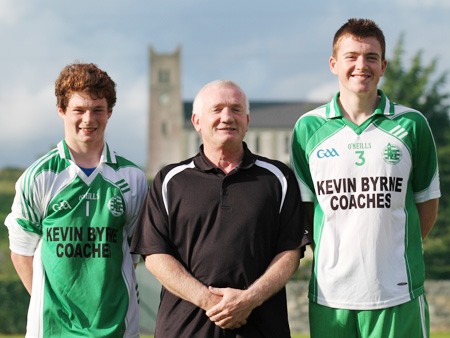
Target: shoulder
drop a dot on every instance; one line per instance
(170, 170)
(274, 166)
(127, 170)
(50, 162)
(319, 113)
(410, 119)
(405, 114)
(122, 162)
(312, 120)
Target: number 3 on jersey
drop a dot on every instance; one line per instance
(362, 160)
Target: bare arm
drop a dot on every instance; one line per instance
(428, 215)
(176, 279)
(24, 268)
(232, 312)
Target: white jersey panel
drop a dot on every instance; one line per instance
(356, 181)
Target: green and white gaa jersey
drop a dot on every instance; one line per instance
(364, 182)
(77, 228)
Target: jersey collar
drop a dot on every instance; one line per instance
(108, 156)
(202, 162)
(385, 107)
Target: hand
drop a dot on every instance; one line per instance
(233, 310)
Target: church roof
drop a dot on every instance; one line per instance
(268, 114)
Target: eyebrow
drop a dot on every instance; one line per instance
(83, 106)
(367, 54)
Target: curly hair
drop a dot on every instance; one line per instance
(360, 29)
(86, 78)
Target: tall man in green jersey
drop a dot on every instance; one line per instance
(74, 211)
(367, 170)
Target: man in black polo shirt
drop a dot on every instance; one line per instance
(222, 231)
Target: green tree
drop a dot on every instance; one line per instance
(437, 244)
(418, 87)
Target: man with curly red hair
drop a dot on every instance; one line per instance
(74, 211)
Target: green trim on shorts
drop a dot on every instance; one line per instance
(408, 320)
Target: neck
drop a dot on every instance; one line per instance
(225, 159)
(358, 108)
(87, 156)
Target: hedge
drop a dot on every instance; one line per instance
(14, 301)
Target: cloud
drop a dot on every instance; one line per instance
(27, 114)
(275, 51)
(323, 92)
(127, 130)
(10, 11)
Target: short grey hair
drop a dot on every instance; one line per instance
(197, 107)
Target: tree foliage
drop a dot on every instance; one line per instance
(420, 88)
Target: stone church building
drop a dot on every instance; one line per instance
(172, 138)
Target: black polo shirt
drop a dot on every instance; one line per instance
(225, 229)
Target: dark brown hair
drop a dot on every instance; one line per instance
(359, 29)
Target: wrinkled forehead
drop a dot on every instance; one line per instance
(223, 95)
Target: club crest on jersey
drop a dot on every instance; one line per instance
(392, 154)
(115, 205)
(326, 153)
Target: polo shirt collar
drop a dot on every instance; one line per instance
(108, 155)
(385, 107)
(202, 162)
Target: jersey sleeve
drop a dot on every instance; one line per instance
(425, 177)
(139, 188)
(299, 161)
(24, 221)
(151, 233)
(292, 218)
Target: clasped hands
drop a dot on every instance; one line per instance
(230, 307)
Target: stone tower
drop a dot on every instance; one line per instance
(166, 141)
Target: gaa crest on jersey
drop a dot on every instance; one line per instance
(115, 205)
(392, 154)
(63, 205)
(326, 153)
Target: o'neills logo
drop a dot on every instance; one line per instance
(392, 154)
(115, 205)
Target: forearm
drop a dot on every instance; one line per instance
(276, 276)
(427, 215)
(24, 268)
(176, 279)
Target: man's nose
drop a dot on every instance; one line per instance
(226, 114)
(88, 115)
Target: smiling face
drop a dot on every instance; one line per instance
(359, 65)
(85, 121)
(223, 120)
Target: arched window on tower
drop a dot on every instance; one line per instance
(164, 76)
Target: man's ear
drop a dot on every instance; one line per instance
(195, 119)
(61, 113)
(332, 63)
